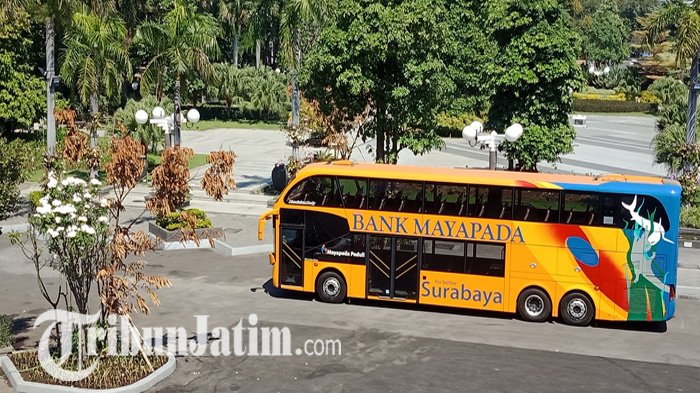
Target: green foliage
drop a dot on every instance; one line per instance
(34, 197)
(673, 96)
(452, 125)
(388, 58)
(631, 10)
(690, 216)
(259, 94)
(606, 106)
(175, 220)
(5, 330)
(532, 74)
(606, 39)
(22, 95)
(96, 59)
(667, 143)
(151, 136)
(14, 159)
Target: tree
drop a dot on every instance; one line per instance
(184, 42)
(236, 13)
(369, 58)
(631, 10)
(300, 22)
(95, 61)
(606, 39)
(230, 83)
(532, 75)
(21, 97)
(13, 159)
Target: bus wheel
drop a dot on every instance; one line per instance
(576, 309)
(534, 305)
(331, 287)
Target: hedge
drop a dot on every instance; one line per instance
(221, 112)
(612, 106)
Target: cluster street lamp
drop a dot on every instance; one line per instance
(474, 135)
(167, 123)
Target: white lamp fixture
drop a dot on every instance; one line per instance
(474, 135)
(159, 118)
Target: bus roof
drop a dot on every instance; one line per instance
(481, 176)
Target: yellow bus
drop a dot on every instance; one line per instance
(539, 245)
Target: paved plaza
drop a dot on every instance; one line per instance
(388, 347)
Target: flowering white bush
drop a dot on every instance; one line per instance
(73, 219)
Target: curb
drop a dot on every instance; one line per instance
(229, 251)
(14, 228)
(22, 386)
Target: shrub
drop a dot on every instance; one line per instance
(612, 106)
(450, 125)
(649, 97)
(690, 216)
(620, 96)
(34, 197)
(5, 330)
(176, 220)
(14, 157)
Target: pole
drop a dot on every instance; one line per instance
(50, 103)
(691, 119)
(492, 159)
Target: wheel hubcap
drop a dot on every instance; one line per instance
(331, 287)
(577, 309)
(534, 305)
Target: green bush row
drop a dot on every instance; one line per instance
(221, 112)
(612, 106)
(690, 217)
(176, 220)
(5, 330)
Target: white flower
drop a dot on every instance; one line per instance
(44, 200)
(52, 233)
(76, 198)
(72, 228)
(43, 209)
(64, 182)
(71, 234)
(36, 215)
(103, 219)
(52, 180)
(58, 220)
(87, 195)
(56, 202)
(104, 202)
(74, 181)
(87, 229)
(65, 209)
(95, 182)
(60, 229)
(82, 218)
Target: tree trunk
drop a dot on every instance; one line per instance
(691, 119)
(257, 54)
(50, 103)
(380, 136)
(295, 100)
(176, 112)
(235, 49)
(95, 111)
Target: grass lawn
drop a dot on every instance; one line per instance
(197, 160)
(617, 114)
(209, 124)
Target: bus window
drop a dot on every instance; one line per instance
(292, 216)
(444, 256)
(326, 233)
(648, 208)
(390, 195)
(315, 191)
(537, 205)
(449, 199)
(609, 211)
(354, 192)
(580, 208)
(487, 259)
(490, 202)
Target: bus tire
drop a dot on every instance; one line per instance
(534, 305)
(577, 309)
(331, 287)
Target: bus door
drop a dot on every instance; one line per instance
(392, 267)
(291, 255)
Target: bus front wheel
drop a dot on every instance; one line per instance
(534, 305)
(331, 287)
(576, 309)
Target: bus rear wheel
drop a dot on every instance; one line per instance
(576, 309)
(331, 287)
(534, 305)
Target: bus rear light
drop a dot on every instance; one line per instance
(672, 292)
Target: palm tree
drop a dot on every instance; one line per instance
(236, 13)
(683, 20)
(268, 94)
(299, 27)
(96, 58)
(230, 84)
(182, 43)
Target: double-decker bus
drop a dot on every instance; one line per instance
(540, 245)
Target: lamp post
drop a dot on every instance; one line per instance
(167, 123)
(474, 135)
